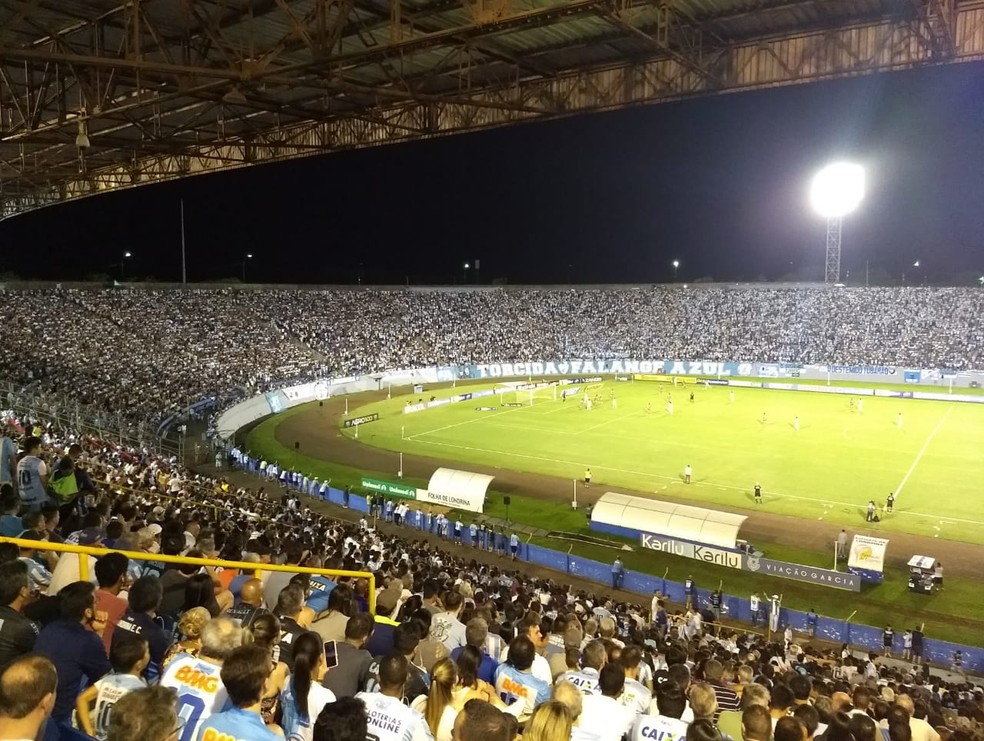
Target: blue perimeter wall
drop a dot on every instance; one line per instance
(737, 608)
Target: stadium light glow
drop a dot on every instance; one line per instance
(837, 189)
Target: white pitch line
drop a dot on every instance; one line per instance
(922, 450)
(460, 424)
(617, 419)
(650, 475)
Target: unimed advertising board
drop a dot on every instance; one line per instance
(389, 488)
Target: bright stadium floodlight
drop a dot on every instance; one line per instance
(836, 191)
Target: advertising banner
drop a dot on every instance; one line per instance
(356, 421)
(389, 488)
(867, 553)
(705, 553)
(468, 501)
(798, 572)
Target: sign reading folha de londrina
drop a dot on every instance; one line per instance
(746, 562)
(390, 488)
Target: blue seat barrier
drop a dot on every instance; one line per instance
(831, 629)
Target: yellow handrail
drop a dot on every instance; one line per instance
(42, 545)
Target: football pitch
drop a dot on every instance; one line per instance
(826, 468)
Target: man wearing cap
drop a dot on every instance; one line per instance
(381, 642)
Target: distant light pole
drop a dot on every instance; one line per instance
(676, 266)
(464, 272)
(246, 258)
(126, 256)
(836, 191)
(981, 281)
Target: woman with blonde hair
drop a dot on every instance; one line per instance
(551, 721)
(190, 627)
(440, 706)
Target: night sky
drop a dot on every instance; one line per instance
(718, 183)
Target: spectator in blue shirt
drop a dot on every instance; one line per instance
(244, 674)
(74, 646)
(10, 524)
(140, 619)
(476, 636)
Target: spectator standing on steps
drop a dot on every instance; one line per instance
(618, 573)
(690, 587)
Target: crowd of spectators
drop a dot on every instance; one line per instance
(184, 346)
(457, 648)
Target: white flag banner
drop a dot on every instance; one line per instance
(867, 553)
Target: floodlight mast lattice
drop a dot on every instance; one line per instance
(835, 192)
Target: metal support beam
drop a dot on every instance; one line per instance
(832, 264)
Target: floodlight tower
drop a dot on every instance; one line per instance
(835, 192)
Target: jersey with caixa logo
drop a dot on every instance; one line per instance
(200, 691)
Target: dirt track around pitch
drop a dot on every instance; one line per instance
(316, 429)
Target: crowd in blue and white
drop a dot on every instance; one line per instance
(463, 643)
(184, 346)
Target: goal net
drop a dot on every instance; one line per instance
(526, 394)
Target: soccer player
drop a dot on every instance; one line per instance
(850, 403)
(687, 472)
(669, 407)
(649, 407)
(731, 397)
(765, 418)
(890, 502)
(860, 406)
(587, 403)
(796, 423)
(898, 421)
(871, 511)
(758, 493)
(691, 397)
(614, 402)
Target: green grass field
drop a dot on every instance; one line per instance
(950, 615)
(826, 470)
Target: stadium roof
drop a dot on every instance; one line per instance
(159, 89)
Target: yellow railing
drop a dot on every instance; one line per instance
(41, 545)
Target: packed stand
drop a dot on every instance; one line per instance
(456, 649)
(184, 346)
